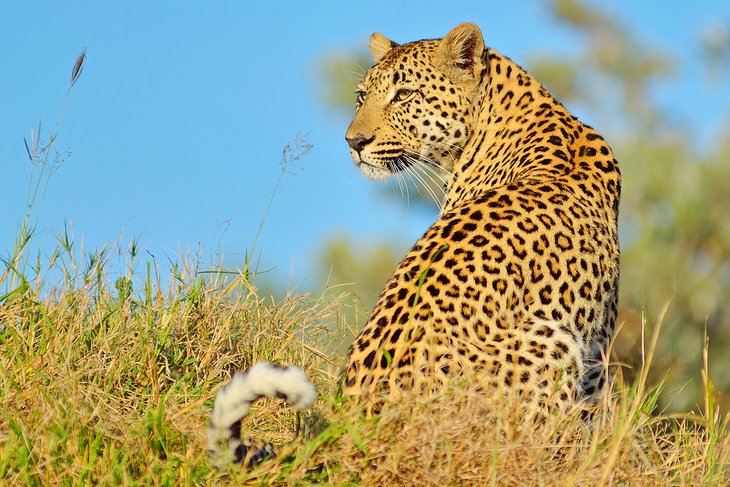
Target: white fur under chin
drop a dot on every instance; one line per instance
(261, 380)
(374, 173)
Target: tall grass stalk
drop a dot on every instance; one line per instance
(45, 159)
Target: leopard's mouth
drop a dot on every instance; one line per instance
(400, 163)
(384, 168)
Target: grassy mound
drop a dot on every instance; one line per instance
(107, 384)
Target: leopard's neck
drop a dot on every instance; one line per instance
(520, 132)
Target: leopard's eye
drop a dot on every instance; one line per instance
(402, 94)
(360, 97)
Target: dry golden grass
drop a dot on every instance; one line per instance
(112, 385)
(457, 439)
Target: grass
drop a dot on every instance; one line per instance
(104, 385)
(112, 385)
(108, 379)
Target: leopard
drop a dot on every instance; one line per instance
(515, 285)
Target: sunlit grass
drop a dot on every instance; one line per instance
(113, 384)
(110, 381)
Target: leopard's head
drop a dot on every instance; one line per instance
(417, 103)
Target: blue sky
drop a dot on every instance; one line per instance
(177, 124)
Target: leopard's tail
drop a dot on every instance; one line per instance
(233, 401)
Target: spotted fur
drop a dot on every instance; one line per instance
(516, 284)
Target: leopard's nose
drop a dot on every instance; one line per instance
(359, 142)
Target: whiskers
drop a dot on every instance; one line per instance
(426, 174)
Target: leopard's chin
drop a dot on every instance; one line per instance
(373, 172)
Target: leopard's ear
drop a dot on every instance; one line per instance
(461, 51)
(380, 45)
